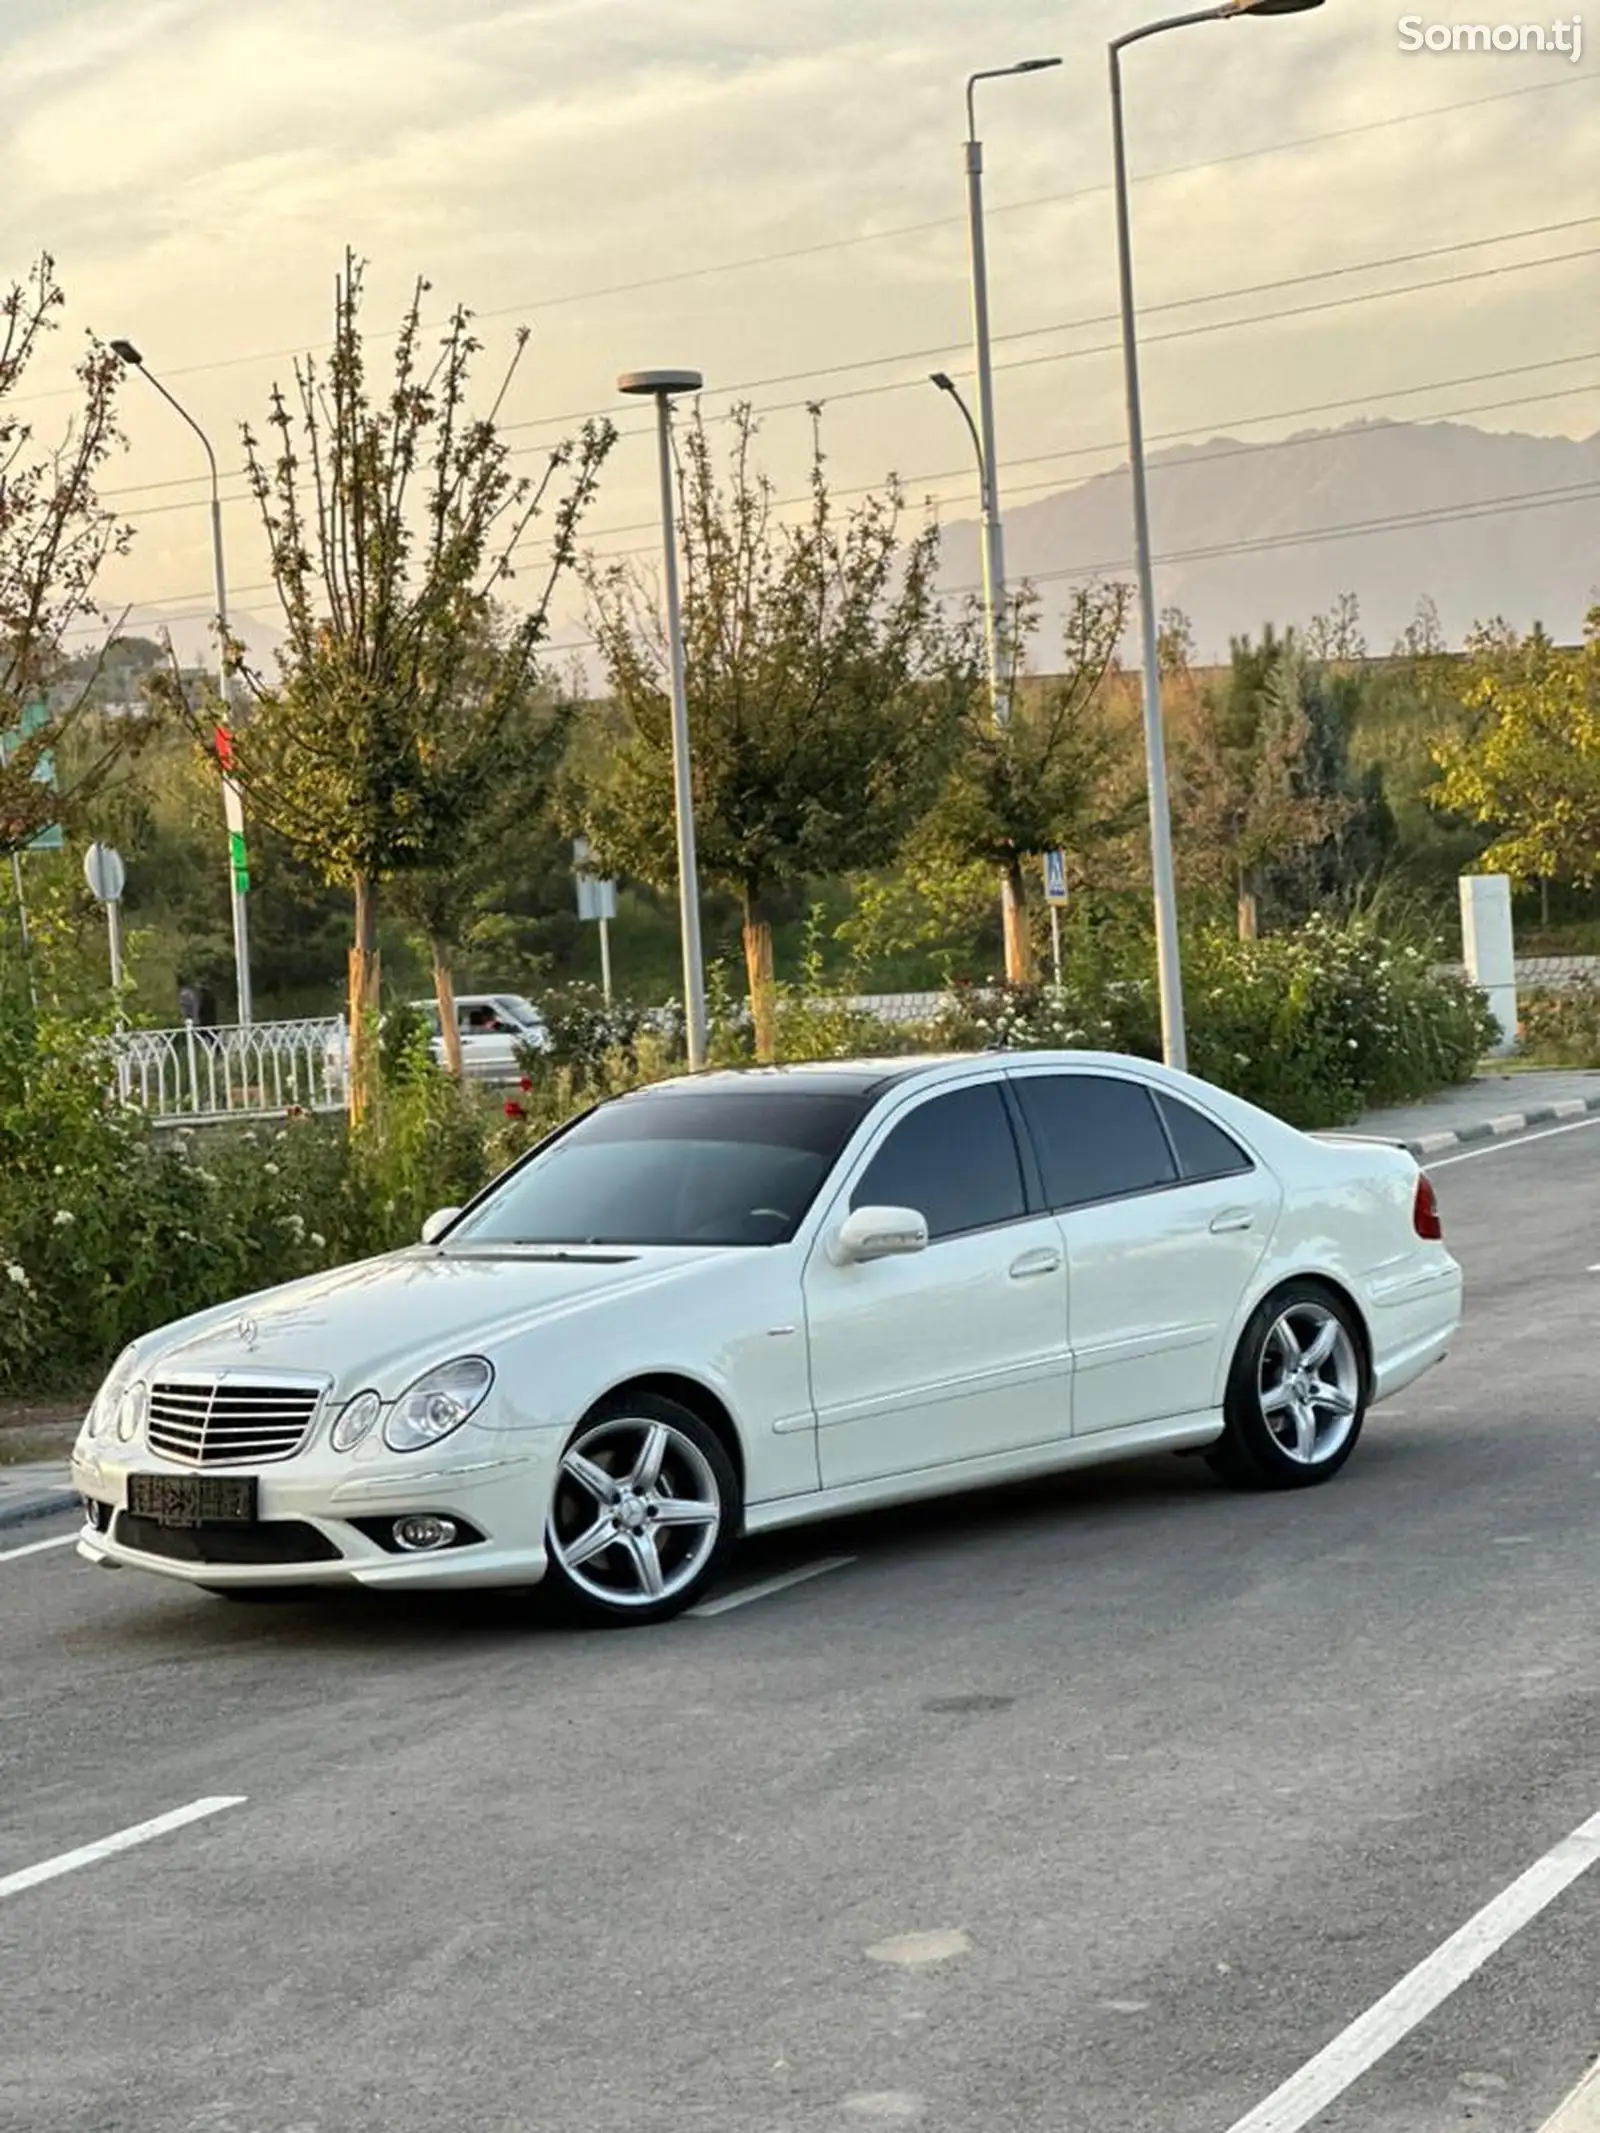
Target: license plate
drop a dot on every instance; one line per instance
(193, 1499)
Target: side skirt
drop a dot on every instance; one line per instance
(1181, 1434)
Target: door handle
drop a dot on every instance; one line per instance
(1234, 1218)
(1045, 1261)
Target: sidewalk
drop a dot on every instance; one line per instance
(33, 1491)
(1492, 1105)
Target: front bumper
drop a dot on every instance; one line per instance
(313, 1503)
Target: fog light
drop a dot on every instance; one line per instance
(418, 1535)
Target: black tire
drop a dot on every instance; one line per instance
(611, 1584)
(1262, 1449)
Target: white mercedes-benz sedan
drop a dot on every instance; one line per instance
(737, 1301)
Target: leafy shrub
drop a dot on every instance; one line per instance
(1562, 1028)
(109, 1226)
(589, 1035)
(1316, 1026)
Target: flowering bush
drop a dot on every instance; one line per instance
(1562, 1028)
(1316, 1026)
(109, 1226)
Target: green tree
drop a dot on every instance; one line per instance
(379, 750)
(1056, 774)
(1262, 773)
(1528, 766)
(55, 536)
(824, 689)
(447, 903)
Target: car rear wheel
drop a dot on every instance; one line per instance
(1297, 1392)
(644, 1511)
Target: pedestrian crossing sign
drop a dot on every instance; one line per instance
(1055, 877)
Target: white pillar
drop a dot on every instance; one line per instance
(1486, 944)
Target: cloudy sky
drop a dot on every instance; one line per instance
(774, 195)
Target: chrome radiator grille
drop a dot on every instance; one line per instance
(232, 1419)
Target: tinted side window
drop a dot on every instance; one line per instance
(1204, 1150)
(1097, 1139)
(954, 1160)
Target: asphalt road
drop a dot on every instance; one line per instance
(1093, 1808)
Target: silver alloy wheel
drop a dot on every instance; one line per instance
(636, 1513)
(1309, 1381)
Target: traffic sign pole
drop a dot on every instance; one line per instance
(107, 877)
(597, 899)
(1055, 895)
(114, 932)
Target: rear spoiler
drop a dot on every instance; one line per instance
(1370, 1140)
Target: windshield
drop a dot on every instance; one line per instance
(700, 1166)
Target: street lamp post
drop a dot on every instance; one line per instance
(983, 440)
(233, 805)
(662, 386)
(1174, 1045)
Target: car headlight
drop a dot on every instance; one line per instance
(131, 1409)
(438, 1403)
(102, 1415)
(355, 1421)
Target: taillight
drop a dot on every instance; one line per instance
(1425, 1209)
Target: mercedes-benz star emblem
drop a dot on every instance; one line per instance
(248, 1331)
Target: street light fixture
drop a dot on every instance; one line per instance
(994, 564)
(662, 386)
(1174, 1045)
(233, 806)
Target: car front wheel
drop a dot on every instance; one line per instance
(1297, 1392)
(644, 1511)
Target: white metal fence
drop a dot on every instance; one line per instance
(193, 1076)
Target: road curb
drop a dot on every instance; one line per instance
(1497, 1129)
(40, 1503)
(1581, 2111)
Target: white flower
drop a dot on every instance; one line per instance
(269, 1170)
(60, 1171)
(319, 1242)
(19, 1275)
(64, 1218)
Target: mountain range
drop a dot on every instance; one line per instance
(1479, 523)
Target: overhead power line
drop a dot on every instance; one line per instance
(894, 232)
(1393, 522)
(923, 355)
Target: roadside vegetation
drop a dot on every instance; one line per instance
(415, 768)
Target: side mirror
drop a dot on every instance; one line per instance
(879, 1233)
(437, 1223)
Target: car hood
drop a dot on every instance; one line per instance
(383, 1319)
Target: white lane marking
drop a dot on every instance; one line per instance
(15, 1555)
(768, 1586)
(1305, 2095)
(1580, 2113)
(1520, 1140)
(121, 1840)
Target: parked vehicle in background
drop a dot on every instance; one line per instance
(494, 1026)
